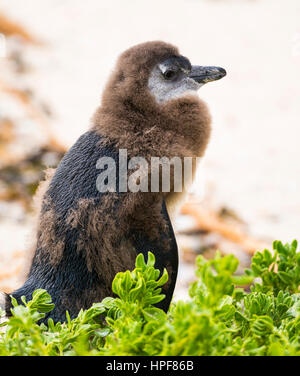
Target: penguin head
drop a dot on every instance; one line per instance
(152, 73)
(176, 77)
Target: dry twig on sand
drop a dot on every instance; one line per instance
(208, 220)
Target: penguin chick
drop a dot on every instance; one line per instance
(85, 235)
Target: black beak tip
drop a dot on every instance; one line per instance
(222, 71)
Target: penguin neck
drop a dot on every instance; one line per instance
(176, 127)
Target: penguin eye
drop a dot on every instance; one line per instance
(169, 74)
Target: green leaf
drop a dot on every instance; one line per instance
(164, 278)
(140, 261)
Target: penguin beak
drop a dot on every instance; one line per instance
(202, 75)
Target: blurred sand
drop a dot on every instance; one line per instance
(252, 164)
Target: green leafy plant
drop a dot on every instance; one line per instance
(222, 317)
